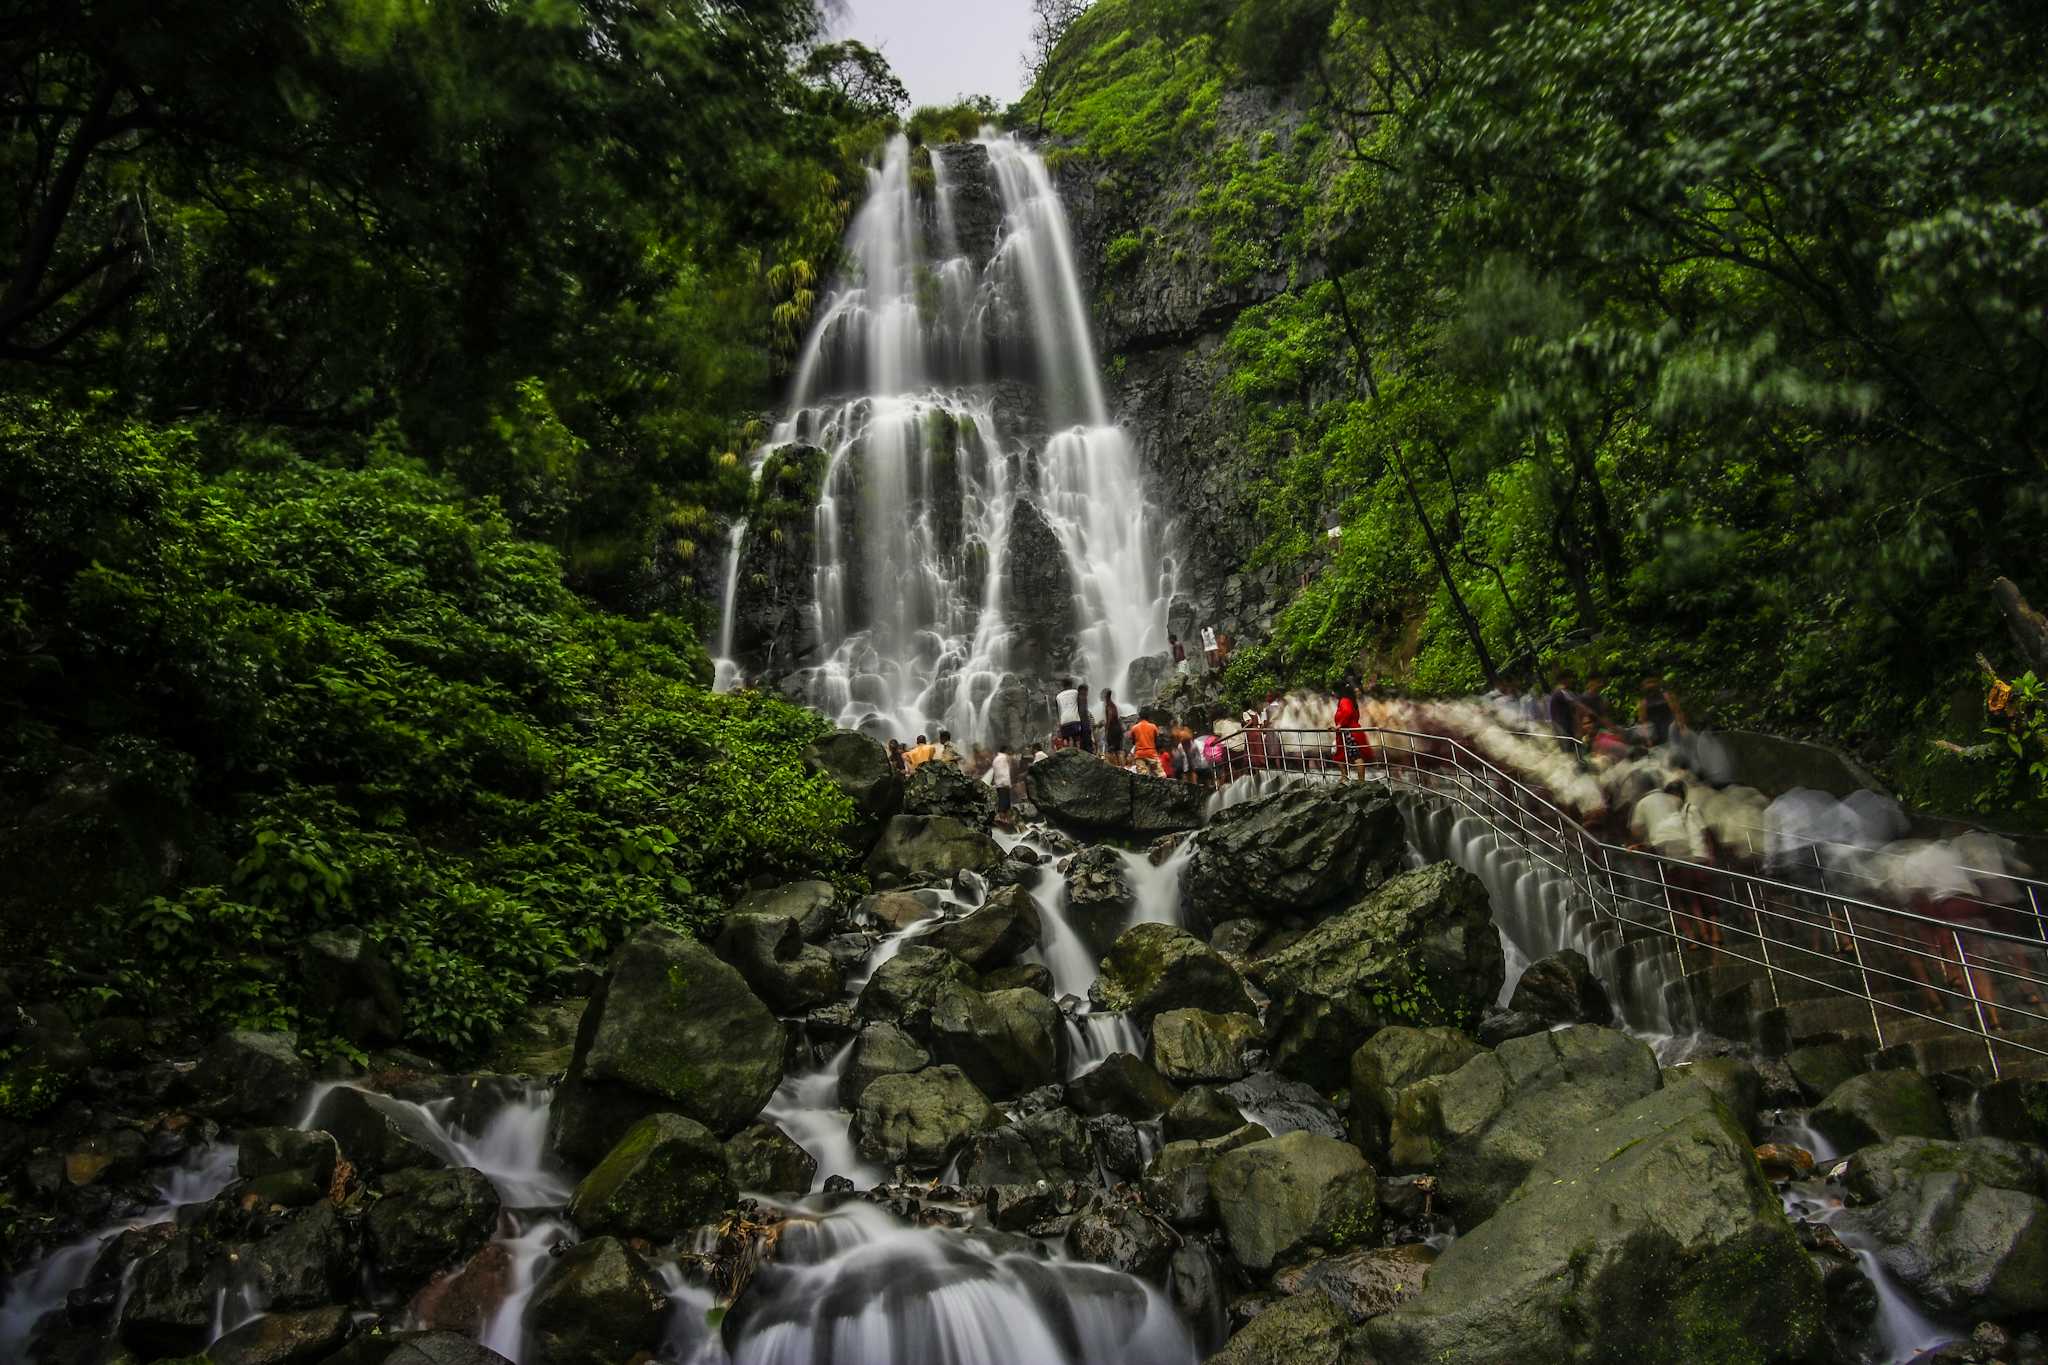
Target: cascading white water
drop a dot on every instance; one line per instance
(909, 388)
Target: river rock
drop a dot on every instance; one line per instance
(859, 767)
(993, 934)
(1156, 967)
(1203, 1112)
(466, 1300)
(882, 1049)
(942, 789)
(929, 848)
(1077, 790)
(1879, 1106)
(1562, 989)
(1294, 852)
(920, 1120)
(672, 1030)
(1964, 1247)
(1645, 1235)
(600, 1305)
(1119, 1233)
(896, 909)
(1422, 950)
(283, 1338)
(252, 1076)
(766, 1160)
(904, 989)
(1099, 897)
(1027, 976)
(1305, 1330)
(1389, 1062)
(169, 1308)
(287, 1166)
(346, 984)
(1177, 1180)
(1051, 1147)
(1484, 1126)
(376, 1132)
(1735, 1081)
(1119, 1149)
(1006, 1041)
(666, 1176)
(789, 974)
(1121, 1084)
(1819, 1068)
(1278, 1198)
(308, 1260)
(809, 903)
(1879, 1172)
(1283, 1106)
(1191, 1045)
(427, 1221)
(1363, 1284)
(415, 1348)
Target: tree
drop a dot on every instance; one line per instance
(858, 78)
(1050, 22)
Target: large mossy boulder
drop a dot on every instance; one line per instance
(811, 904)
(1156, 967)
(1307, 1329)
(426, 1221)
(1879, 1172)
(766, 1160)
(904, 989)
(1122, 1084)
(247, 1076)
(309, 1334)
(1485, 1126)
(1363, 1284)
(1962, 1245)
(1191, 1045)
(1050, 1147)
(880, 1049)
(920, 1120)
(789, 974)
(667, 1176)
(929, 848)
(1279, 1198)
(377, 1133)
(993, 934)
(1421, 950)
(600, 1305)
(1099, 897)
(1177, 1179)
(1648, 1235)
(1080, 792)
(942, 789)
(859, 767)
(1006, 1041)
(1389, 1062)
(671, 1030)
(1295, 852)
(1879, 1106)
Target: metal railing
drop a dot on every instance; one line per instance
(1973, 962)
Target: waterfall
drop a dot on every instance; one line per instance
(978, 524)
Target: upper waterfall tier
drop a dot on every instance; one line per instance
(977, 526)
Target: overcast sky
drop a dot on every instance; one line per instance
(942, 49)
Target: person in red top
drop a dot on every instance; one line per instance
(1145, 748)
(1351, 743)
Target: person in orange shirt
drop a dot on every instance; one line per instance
(924, 752)
(1145, 748)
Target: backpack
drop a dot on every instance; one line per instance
(1212, 748)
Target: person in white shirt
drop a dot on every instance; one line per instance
(1073, 725)
(1000, 777)
(1209, 648)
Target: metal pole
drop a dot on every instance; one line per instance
(1969, 981)
(1763, 940)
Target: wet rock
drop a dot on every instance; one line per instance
(465, 1300)
(1006, 1041)
(1301, 849)
(809, 903)
(1304, 1330)
(920, 1120)
(1879, 1172)
(788, 974)
(1203, 1112)
(1734, 1081)
(1421, 950)
(1562, 989)
(992, 935)
(427, 1221)
(1783, 1161)
(672, 1030)
(283, 1338)
(919, 848)
(882, 1049)
(169, 1311)
(1389, 1062)
(1822, 1067)
(1120, 1234)
(109, 1157)
(1484, 1126)
(254, 1076)
(1121, 1084)
(942, 789)
(1082, 793)
(766, 1160)
(904, 989)
(1118, 1149)
(346, 984)
(1278, 1198)
(287, 1166)
(859, 767)
(311, 1259)
(416, 1348)
(895, 909)
(1237, 938)
(601, 1305)
(1964, 1247)
(1191, 1045)
(1879, 1106)
(665, 1177)
(1647, 1235)
(1177, 1180)
(540, 1040)
(1099, 897)
(1283, 1106)
(1050, 1148)
(1155, 967)
(1194, 1281)
(1363, 1284)
(376, 1132)
(1029, 976)
(1497, 1026)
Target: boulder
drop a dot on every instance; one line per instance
(415, 1348)
(1282, 1106)
(1484, 1126)
(1121, 1084)
(1964, 1247)
(377, 1133)
(1099, 897)
(766, 1160)
(929, 848)
(895, 909)
(1177, 1180)
(170, 1303)
(789, 974)
(1191, 1045)
(1051, 1147)
(1239, 938)
(540, 1040)
(1294, 852)
(1389, 1062)
(468, 1299)
(287, 1165)
(1203, 1112)
(920, 1120)
(809, 903)
(1028, 976)
(671, 1030)
(1734, 1081)
(993, 934)
(1305, 1330)
(1122, 1235)
(1006, 1041)
(427, 1221)
(1820, 1068)
(1080, 792)
(1878, 1106)
(881, 1049)
(1279, 1198)
(1156, 967)
(942, 789)
(1561, 989)
(666, 1176)
(346, 985)
(1422, 950)
(859, 767)
(1498, 1026)
(1647, 1235)
(904, 989)
(252, 1076)
(600, 1305)
(308, 1260)
(1879, 1172)
(306, 1335)
(1363, 1284)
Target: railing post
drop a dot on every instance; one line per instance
(1763, 941)
(1976, 1004)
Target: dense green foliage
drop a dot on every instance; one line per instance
(1629, 336)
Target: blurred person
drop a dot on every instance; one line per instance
(1112, 725)
(1180, 654)
(921, 753)
(1067, 709)
(947, 754)
(1211, 655)
(1002, 777)
(1145, 747)
(896, 762)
